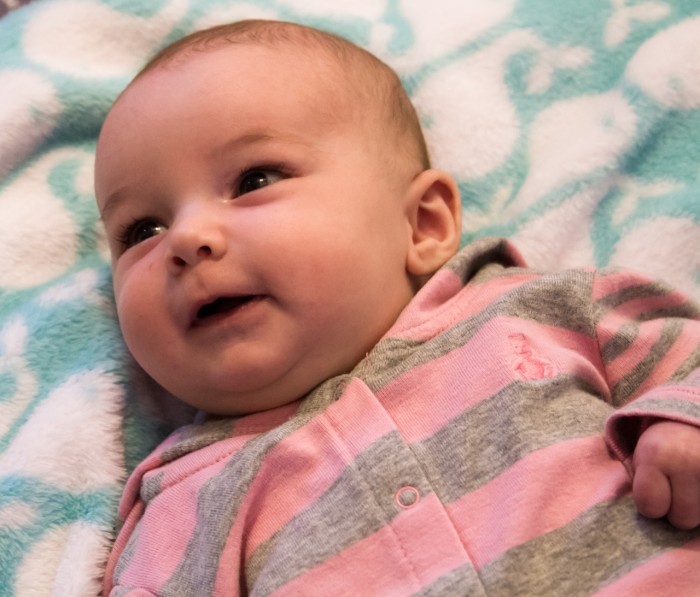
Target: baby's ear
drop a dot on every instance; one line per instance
(435, 219)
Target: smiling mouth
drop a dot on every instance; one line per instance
(223, 306)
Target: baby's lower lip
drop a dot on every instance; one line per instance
(223, 308)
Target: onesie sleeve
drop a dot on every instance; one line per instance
(649, 338)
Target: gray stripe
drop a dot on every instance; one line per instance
(600, 546)
(461, 581)
(196, 437)
(127, 554)
(489, 438)
(123, 591)
(686, 310)
(620, 342)
(151, 486)
(631, 293)
(687, 367)
(359, 503)
(638, 374)
(220, 498)
(561, 300)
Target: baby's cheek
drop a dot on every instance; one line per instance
(138, 315)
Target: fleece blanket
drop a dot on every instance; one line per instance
(571, 127)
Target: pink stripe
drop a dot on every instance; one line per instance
(450, 302)
(478, 370)
(690, 394)
(436, 297)
(162, 526)
(605, 285)
(423, 535)
(165, 531)
(198, 460)
(444, 285)
(132, 489)
(694, 377)
(492, 519)
(649, 334)
(246, 429)
(635, 308)
(316, 454)
(195, 461)
(128, 527)
(682, 348)
(674, 573)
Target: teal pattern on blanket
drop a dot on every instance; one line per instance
(570, 126)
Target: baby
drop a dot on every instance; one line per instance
(387, 416)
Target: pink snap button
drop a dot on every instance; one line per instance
(407, 497)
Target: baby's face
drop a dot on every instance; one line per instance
(259, 242)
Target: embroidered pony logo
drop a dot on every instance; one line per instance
(528, 365)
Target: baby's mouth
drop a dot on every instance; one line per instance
(222, 306)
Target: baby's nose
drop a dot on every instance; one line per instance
(190, 258)
(193, 238)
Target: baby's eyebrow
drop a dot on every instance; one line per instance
(113, 201)
(257, 137)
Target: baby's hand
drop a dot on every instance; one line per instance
(666, 465)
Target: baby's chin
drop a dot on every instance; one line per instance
(237, 405)
(235, 385)
(232, 403)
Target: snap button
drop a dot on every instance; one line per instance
(407, 497)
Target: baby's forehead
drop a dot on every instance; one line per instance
(333, 89)
(229, 83)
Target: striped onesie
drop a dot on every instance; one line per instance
(478, 449)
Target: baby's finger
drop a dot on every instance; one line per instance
(651, 491)
(684, 512)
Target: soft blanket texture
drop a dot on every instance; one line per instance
(571, 127)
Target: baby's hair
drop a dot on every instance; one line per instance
(378, 81)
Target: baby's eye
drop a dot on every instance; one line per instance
(140, 231)
(252, 180)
